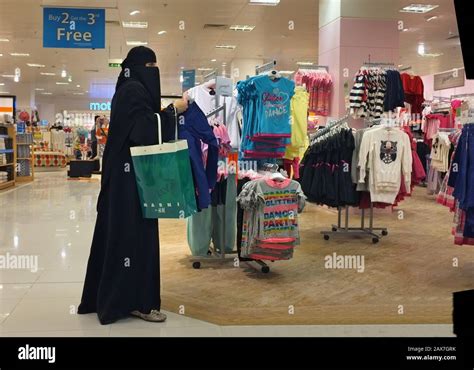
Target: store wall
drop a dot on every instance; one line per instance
(245, 67)
(428, 82)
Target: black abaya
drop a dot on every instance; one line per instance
(123, 272)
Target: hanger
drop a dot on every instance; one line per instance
(277, 176)
(274, 74)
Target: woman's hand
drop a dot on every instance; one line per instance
(181, 105)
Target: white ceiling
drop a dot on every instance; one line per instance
(21, 22)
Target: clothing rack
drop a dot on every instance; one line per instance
(378, 64)
(265, 67)
(328, 128)
(362, 230)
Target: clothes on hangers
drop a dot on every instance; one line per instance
(195, 128)
(325, 173)
(266, 127)
(414, 91)
(207, 103)
(387, 154)
(270, 228)
(318, 85)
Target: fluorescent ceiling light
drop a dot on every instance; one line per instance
(230, 47)
(134, 12)
(1, 55)
(418, 8)
(38, 89)
(432, 18)
(213, 60)
(135, 24)
(2, 84)
(8, 76)
(62, 83)
(265, 2)
(243, 28)
(47, 74)
(205, 69)
(4, 92)
(162, 32)
(19, 54)
(35, 65)
(305, 63)
(77, 93)
(136, 43)
(46, 93)
(4, 40)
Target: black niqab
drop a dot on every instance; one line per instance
(134, 66)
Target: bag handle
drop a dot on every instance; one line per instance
(160, 139)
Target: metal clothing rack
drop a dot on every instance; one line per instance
(375, 232)
(265, 67)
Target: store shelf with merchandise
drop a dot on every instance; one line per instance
(7, 156)
(25, 157)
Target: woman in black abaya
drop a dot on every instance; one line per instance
(123, 272)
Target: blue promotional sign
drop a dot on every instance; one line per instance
(74, 28)
(189, 79)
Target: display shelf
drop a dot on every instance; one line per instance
(7, 184)
(21, 150)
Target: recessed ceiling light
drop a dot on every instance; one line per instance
(62, 83)
(243, 28)
(35, 65)
(8, 76)
(19, 54)
(135, 24)
(305, 63)
(16, 78)
(264, 2)
(230, 47)
(78, 86)
(418, 8)
(134, 12)
(162, 32)
(1, 55)
(421, 49)
(137, 43)
(4, 40)
(432, 18)
(2, 84)
(46, 93)
(47, 74)
(63, 73)
(213, 60)
(405, 30)
(39, 89)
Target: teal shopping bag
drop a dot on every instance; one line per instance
(164, 179)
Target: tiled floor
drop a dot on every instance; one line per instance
(53, 219)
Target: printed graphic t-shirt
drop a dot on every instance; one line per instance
(274, 98)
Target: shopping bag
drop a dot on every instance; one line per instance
(164, 179)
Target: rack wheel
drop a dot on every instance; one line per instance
(196, 265)
(326, 237)
(334, 229)
(265, 269)
(384, 232)
(375, 240)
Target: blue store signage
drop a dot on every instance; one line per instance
(189, 79)
(74, 28)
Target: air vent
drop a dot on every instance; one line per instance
(216, 26)
(91, 70)
(453, 37)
